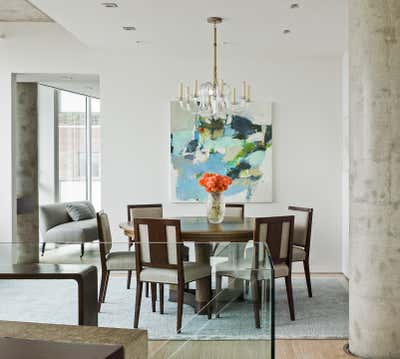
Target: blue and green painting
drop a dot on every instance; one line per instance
(240, 148)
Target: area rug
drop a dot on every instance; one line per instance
(321, 317)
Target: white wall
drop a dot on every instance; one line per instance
(135, 93)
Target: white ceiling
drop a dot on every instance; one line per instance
(179, 26)
(85, 84)
(20, 10)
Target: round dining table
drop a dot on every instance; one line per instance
(204, 234)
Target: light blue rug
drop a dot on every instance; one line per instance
(323, 316)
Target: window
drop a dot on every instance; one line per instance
(79, 148)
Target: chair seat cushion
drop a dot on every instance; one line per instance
(123, 260)
(73, 232)
(192, 271)
(299, 254)
(243, 270)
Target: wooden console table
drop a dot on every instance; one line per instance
(84, 275)
(134, 341)
(40, 349)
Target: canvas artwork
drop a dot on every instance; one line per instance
(240, 148)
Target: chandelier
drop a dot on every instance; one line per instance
(214, 99)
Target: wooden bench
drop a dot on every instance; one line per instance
(84, 275)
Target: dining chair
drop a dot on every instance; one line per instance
(147, 211)
(235, 210)
(110, 261)
(277, 234)
(158, 248)
(302, 240)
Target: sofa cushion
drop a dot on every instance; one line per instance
(79, 211)
(73, 232)
(52, 215)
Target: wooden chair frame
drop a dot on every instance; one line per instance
(273, 240)
(159, 259)
(131, 242)
(306, 262)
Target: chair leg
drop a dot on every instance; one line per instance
(153, 296)
(103, 288)
(246, 286)
(82, 249)
(147, 290)
(214, 249)
(308, 278)
(218, 289)
(180, 308)
(43, 247)
(103, 299)
(210, 303)
(256, 303)
(267, 290)
(161, 290)
(139, 288)
(128, 284)
(289, 292)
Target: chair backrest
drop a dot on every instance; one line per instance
(144, 211)
(302, 226)
(158, 244)
(277, 233)
(234, 210)
(105, 239)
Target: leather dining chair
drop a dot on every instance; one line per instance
(302, 240)
(110, 261)
(147, 211)
(158, 248)
(235, 210)
(277, 234)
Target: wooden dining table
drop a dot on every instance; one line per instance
(204, 234)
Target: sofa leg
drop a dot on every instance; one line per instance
(43, 247)
(82, 249)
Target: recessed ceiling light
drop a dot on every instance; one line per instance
(109, 4)
(294, 6)
(286, 31)
(129, 28)
(64, 77)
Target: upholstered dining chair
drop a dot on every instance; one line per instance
(277, 233)
(153, 210)
(110, 261)
(302, 240)
(158, 248)
(231, 210)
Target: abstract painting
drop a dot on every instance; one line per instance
(240, 147)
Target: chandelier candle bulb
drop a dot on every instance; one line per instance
(196, 88)
(234, 96)
(222, 88)
(180, 91)
(248, 93)
(244, 90)
(188, 93)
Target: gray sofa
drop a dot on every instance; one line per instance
(56, 225)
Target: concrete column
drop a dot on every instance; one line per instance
(26, 239)
(374, 48)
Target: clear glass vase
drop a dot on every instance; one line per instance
(215, 207)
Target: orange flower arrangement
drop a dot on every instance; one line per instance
(214, 182)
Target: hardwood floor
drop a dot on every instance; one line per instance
(285, 349)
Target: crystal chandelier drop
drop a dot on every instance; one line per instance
(214, 99)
